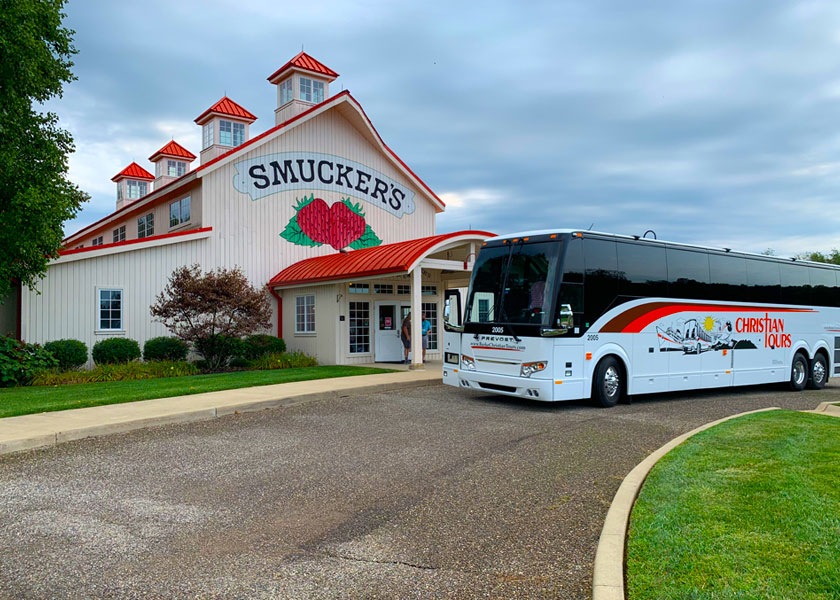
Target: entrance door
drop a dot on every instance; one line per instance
(387, 344)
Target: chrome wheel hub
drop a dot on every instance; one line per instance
(799, 372)
(819, 372)
(611, 381)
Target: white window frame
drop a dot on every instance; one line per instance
(135, 189)
(359, 329)
(286, 91)
(118, 234)
(302, 305)
(146, 226)
(207, 135)
(97, 241)
(317, 91)
(223, 126)
(358, 288)
(238, 134)
(119, 190)
(175, 168)
(181, 219)
(306, 89)
(98, 314)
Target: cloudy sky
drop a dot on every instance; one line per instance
(712, 122)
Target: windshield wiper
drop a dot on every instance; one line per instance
(511, 331)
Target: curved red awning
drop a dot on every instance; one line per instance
(379, 260)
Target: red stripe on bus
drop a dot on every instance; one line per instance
(493, 348)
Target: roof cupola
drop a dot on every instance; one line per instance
(171, 162)
(301, 83)
(223, 126)
(133, 183)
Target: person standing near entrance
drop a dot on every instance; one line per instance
(427, 327)
(405, 336)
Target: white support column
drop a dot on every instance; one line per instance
(416, 322)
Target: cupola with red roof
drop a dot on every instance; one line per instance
(223, 126)
(132, 184)
(301, 83)
(171, 162)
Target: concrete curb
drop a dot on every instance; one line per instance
(829, 408)
(608, 575)
(49, 429)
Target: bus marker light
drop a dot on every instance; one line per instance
(729, 371)
(588, 356)
(559, 382)
(553, 235)
(454, 370)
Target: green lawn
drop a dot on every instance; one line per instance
(35, 399)
(746, 510)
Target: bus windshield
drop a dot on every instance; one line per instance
(512, 284)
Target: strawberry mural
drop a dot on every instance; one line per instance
(341, 225)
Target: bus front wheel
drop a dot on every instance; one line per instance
(608, 382)
(798, 372)
(819, 373)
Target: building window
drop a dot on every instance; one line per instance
(359, 288)
(428, 290)
(207, 135)
(179, 212)
(175, 168)
(136, 189)
(430, 310)
(483, 310)
(403, 289)
(305, 314)
(96, 241)
(146, 225)
(359, 327)
(119, 234)
(383, 288)
(285, 91)
(119, 190)
(231, 134)
(311, 90)
(110, 309)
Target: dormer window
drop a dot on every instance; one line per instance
(231, 134)
(135, 189)
(119, 191)
(311, 90)
(175, 168)
(207, 135)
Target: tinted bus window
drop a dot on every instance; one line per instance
(642, 271)
(573, 261)
(688, 273)
(728, 276)
(571, 286)
(601, 280)
(796, 284)
(763, 281)
(822, 284)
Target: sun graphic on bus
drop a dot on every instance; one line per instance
(709, 323)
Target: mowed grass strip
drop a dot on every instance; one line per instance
(746, 510)
(35, 399)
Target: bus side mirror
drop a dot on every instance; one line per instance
(566, 320)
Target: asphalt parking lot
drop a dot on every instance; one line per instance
(431, 492)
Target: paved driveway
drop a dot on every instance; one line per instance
(428, 493)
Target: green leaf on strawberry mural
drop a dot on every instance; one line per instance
(368, 240)
(293, 232)
(356, 208)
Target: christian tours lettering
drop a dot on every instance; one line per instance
(265, 175)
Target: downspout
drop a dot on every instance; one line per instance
(279, 310)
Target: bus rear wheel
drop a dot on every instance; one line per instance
(819, 373)
(798, 372)
(608, 382)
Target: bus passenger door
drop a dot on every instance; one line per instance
(452, 321)
(650, 365)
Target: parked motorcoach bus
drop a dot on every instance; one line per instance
(565, 315)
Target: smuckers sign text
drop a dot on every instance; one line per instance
(273, 173)
(772, 328)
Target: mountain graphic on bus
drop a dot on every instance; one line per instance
(691, 336)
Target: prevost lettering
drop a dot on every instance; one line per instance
(274, 173)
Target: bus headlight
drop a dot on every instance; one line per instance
(529, 369)
(467, 363)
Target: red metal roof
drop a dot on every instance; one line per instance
(379, 260)
(226, 107)
(307, 63)
(133, 171)
(174, 149)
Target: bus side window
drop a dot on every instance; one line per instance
(796, 284)
(601, 277)
(763, 281)
(688, 273)
(642, 270)
(822, 284)
(728, 274)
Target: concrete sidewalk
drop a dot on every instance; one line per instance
(47, 429)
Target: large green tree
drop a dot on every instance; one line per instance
(36, 197)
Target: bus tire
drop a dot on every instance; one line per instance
(798, 372)
(608, 382)
(819, 372)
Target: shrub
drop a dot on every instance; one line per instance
(122, 372)
(165, 348)
(256, 346)
(239, 363)
(284, 360)
(70, 354)
(217, 350)
(20, 362)
(113, 351)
